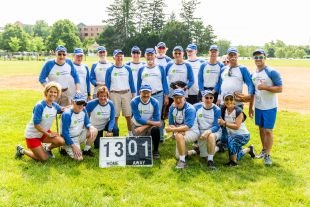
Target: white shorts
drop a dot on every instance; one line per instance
(203, 143)
(78, 140)
(189, 137)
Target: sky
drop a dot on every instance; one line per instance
(242, 22)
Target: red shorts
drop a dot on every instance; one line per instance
(35, 142)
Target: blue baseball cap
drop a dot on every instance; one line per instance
(178, 48)
(178, 92)
(191, 47)
(146, 88)
(232, 50)
(259, 51)
(79, 97)
(161, 44)
(214, 47)
(150, 50)
(61, 48)
(118, 51)
(135, 49)
(78, 51)
(101, 48)
(206, 92)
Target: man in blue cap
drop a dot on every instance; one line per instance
(61, 70)
(99, 69)
(161, 57)
(209, 73)
(195, 62)
(76, 129)
(232, 79)
(119, 81)
(135, 63)
(183, 125)
(268, 83)
(146, 117)
(82, 71)
(155, 76)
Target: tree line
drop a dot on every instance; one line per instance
(135, 22)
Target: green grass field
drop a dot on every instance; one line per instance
(63, 182)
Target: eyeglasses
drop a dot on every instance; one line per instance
(260, 57)
(229, 98)
(101, 52)
(161, 48)
(135, 52)
(177, 53)
(61, 54)
(80, 103)
(209, 97)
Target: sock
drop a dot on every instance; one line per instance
(210, 157)
(216, 149)
(182, 158)
(87, 147)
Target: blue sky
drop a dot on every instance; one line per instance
(243, 22)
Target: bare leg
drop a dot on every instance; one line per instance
(128, 120)
(268, 140)
(262, 136)
(37, 153)
(180, 143)
(211, 144)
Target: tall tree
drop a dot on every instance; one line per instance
(223, 45)
(156, 16)
(64, 31)
(121, 16)
(14, 44)
(10, 31)
(141, 14)
(41, 29)
(188, 14)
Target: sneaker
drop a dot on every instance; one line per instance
(252, 152)
(211, 165)
(261, 154)
(88, 153)
(181, 165)
(231, 164)
(156, 155)
(48, 151)
(62, 151)
(267, 160)
(191, 152)
(19, 152)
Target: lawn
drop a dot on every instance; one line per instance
(63, 182)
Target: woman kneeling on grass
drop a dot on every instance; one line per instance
(235, 133)
(38, 129)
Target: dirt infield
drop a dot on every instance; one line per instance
(295, 96)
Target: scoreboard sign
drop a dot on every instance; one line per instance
(123, 151)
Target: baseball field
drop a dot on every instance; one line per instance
(64, 182)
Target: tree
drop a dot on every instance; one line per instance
(41, 29)
(111, 38)
(206, 39)
(156, 16)
(36, 44)
(187, 14)
(65, 32)
(13, 31)
(299, 53)
(141, 14)
(280, 53)
(87, 43)
(223, 46)
(14, 44)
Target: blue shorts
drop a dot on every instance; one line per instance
(265, 118)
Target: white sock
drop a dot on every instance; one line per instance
(182, 158)
(87, 147)
(216, 149)
(210, 157)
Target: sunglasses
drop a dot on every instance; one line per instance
(61, 54)
(225, 61)
(135, 52)
(259, 57)
(209, 97)
(101, 52)
(229, 99)
(161, 48)
(177, 53)
(80, 103)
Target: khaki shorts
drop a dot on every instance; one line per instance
(190, 136)
(81, 139)
(121, 101)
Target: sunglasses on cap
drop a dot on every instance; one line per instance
(80, 103)
(260, 57)
(229, 98)
(61, 54)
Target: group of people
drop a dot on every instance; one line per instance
(202, 100)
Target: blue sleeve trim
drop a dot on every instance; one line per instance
(217, 114)
(112, 117)
(156, 113)
(135, 112)
(274, 76)
(164, 80)
(46, 70)
(93, 75)
(87, 80)
(190, 75)
(91, 105)
(37, 112)
(74, 74)
(200, 77)
(190, 115)
(247, 79)
(168, 68)
(170, 116)
(139, 79)
(66, 122)
(130, 79)
(108, 77)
